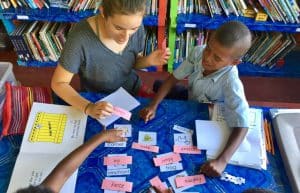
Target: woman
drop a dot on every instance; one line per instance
(104, 51)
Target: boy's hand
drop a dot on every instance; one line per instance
(213, 168)
(100, 110)
(159, 57)
(148, 113)
(169, 190)
(113, 135)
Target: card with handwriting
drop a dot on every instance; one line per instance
(116, 185)
(183, 129)
(120, 166)
(117, 160)
(127, 129)
(122, 113)
(189, 180)
(167, 158)
(151, 148)
(172, 181)
(171, 167)
(115, 178)
(118, 172)
(186, 149)
(147, 138)
(183, 139)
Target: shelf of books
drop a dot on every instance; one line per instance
(273, 24)
(38, 32)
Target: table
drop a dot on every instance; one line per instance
(170, 112)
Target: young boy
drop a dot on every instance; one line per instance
(213, 77)
(56, 179)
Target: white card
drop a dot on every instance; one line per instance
(113, 167)
(118, 172)
(172, 181)
(171, 167)
(126, 128)
(147, 138)
(116, 144)
(183, 129)
(183, 139)
(115, 178)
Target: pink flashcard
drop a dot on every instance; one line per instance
(156, 182)
(122, 113)
(144, 147)
(117, 160)
(168, 159)
(116, 185)
(186, 149)
(189, 180)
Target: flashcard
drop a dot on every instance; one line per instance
(127, 129)
(113, 167)
(118, 172)
(189, 180)
(233, 179)
(115, 178)
(151, 148)
(147, 138)
(172, 181)
(117, 160)
(171, 167)
(183, 139)
(122, 113)
(183, 129)
(116, 144)
(156, 182)
(116, 185)
(186, 149)
(166, 158)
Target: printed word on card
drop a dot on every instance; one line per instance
(122, 113)
(183, 129)
(116, 144)
(116, 185)
(144, 147)
(171, 167)
(167, 159)
(189, 180)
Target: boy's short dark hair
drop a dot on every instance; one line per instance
(123, 7)
(35, 189)
(231, 32)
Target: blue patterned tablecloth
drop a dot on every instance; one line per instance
(170, 112)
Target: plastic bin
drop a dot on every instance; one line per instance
(6, 74)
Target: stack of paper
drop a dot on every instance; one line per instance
(251, 152)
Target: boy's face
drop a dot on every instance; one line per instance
(216, 56)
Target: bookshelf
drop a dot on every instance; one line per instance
(180, 23)
(54, 14)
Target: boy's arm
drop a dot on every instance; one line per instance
(148, 113)
(216, 167)
(56, 179)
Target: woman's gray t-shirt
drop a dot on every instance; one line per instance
(99, 68)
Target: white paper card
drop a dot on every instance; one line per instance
(127, 128)
(120, 98)
(183, 139)
(172, 181)
(171, 167)
(118, 172)
(116, 144)
(183, 129)
(147, 138)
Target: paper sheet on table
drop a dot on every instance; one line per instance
(120, 98)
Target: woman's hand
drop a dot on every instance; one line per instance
(99, 110)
